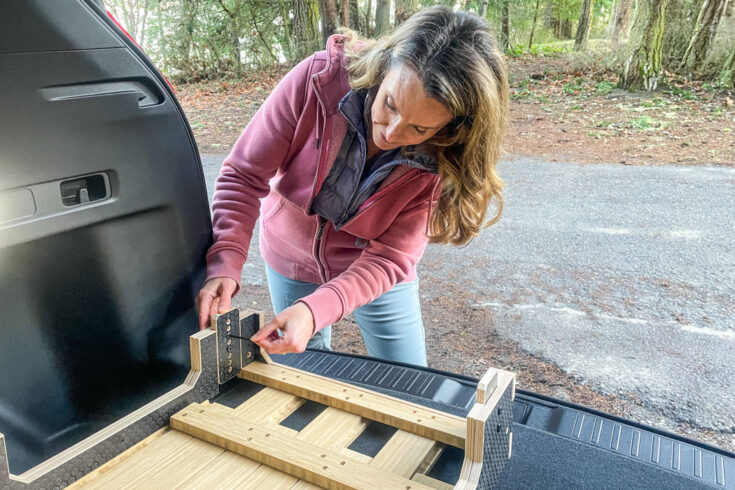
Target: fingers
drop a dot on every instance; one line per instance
(215, 297)
(204, 303)
(227, 288)
(213, 306)
(289, 331)
(269, 331)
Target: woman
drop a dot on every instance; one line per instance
(363, 156)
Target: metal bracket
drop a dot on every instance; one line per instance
(234, 348)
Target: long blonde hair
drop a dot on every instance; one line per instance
(459, 62)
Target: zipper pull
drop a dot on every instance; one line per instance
(321, 230)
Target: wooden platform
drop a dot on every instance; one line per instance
(209, 445)
(255, 442)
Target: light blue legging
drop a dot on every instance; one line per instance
(391, 325)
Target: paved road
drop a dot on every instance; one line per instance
(622, 276)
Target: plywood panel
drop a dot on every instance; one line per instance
(164, 463)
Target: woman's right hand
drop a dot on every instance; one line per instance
(213, 298)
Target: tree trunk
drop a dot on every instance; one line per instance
(146, 9)
(184, 45)
(328, 11)
(344, 13)
(549, 15)
(565, 29)
(583, 28)
(382, 17)
(405, 9)
(483, 9)
(505, 26)
(642, 69)
(312, 25)
(299, 30)
(533, 24)
(703, 35)
(621, 22)
(356, 23)
(368, 19)
(727, 75)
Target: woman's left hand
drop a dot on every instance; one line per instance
(296, 325)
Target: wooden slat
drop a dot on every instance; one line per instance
(410, 417)
(403, 453)
(229, 470)
(355, 455)
(268, 406)
(431, 458)
(270, 478)
(300, 459)
(333, 429)
(487, 384)
(164, 463)
(431, 482)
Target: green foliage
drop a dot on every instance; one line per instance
(209, 39)
(575, 87)
(605, 87)
(686, 94)
(646, 122)
(549, 49)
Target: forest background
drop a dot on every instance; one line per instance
(593, 81)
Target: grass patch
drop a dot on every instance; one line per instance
(646, 122)
(605, 87)
(574, 88)
(684, 94)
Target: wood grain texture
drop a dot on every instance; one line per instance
(331, 429)
(431, 458)
(300, 459)
(432, 424)
(117, 460)
(228, 470)
(431, 482)
(469, 477)
(268, 407)
(166, 462)
(487, 384)
(403, 453)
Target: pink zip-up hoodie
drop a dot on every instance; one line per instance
(284, 155)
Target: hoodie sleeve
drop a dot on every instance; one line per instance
(258, 153)
(385, 262)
